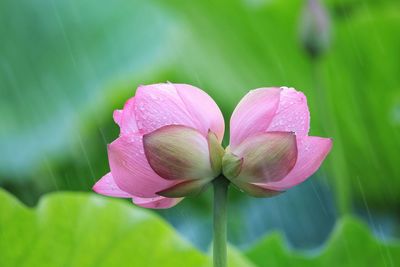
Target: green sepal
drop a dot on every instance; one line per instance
(231, 165)
(216, 152)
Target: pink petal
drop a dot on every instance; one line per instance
(128, 118)
(117, 115)
(106, 186)
(130, 169)
(156, 202)
(204, 111)
(312, 152)
(158, 105)
(292, 114)
(253, 114)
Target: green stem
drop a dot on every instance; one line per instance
(220, 214)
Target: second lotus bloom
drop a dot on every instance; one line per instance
(170, 144)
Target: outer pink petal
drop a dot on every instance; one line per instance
(204, 111)
(253, 114)
(128, 118)
(158, 105)
(292, 114)
(130, 169)
(312, 152)
(156, 202)
(106, 186)
(117, 116)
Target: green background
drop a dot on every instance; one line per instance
(66, 65)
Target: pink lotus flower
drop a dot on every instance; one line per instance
(166, 133)
(270, 150)
(170, 145)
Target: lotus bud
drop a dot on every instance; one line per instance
(314, 28)
(270, 150)
(169, 146)
(170, 138)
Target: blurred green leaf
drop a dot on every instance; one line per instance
(236, 258)
(351, 244)
(234, 46)
(56, 58)
(79, 229)
(353, 92)
(225, 47)
(360, 79)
